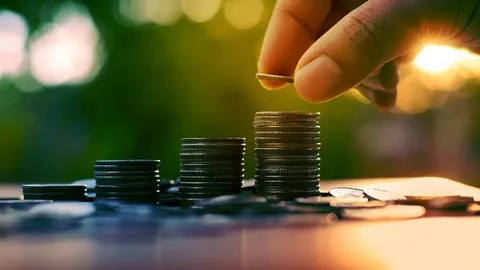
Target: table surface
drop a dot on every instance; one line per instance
(447, 242)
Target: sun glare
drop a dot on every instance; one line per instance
(437, 59)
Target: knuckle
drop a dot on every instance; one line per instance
(361, 33)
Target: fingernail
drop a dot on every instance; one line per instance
(317, 81)
(271, 85)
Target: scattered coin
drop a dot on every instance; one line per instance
(473, 208)
(328, 201)
(382, 195)
(341, 192)
(368, 204)
(385, 213)
(454, 202)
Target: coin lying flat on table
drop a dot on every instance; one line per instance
(384, 213)
(273, 77)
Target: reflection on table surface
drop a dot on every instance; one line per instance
(294, 242)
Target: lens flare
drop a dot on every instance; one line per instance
(437, 59)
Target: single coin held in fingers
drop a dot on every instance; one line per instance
(276, 78)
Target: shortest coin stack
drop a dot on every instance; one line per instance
(56, 192)
(210, 167)
(134, 180)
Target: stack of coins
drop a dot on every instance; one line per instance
(134, 180)
(210, 167)
(287, 154)
(56, 192)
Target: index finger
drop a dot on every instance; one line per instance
(292, 29)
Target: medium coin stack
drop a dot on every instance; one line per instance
(210, 167)
(134, 180)
(56, 192)
(287, 154)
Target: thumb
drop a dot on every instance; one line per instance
(359, 44)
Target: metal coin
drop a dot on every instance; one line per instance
(287, 183)
(290, 145)
(288, 163)
(147, 173)
(287, 134)
(439, 202)
(287, 151)
(286, 113)
(287, 157)
(211, 184)
(129, 162)
(319, 200)
(211, 164)
(213, 146)
(127, 177)
(133, 188)
(345, 192)
(206, 194)
(276, 78)
(288, 196)
(287, 128)
(215, 190)
(53, 187)
(55, 197)
(385, 213)
(214, 170)
(382, 195)
(269, 140)
(368, 204)
(286, 179)
(125, 168)
(216, 140)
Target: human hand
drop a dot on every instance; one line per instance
(332, 46)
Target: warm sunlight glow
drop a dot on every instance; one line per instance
(437, 59)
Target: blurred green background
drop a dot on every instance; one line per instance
(119, 79)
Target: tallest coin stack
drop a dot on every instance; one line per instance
(287, 154)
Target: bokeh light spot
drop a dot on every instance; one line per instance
(13, 36)
(68, 50)
(201, 11)
(437, 59)
(243, 14)
(162, 12)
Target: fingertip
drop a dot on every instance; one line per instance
(272, 85)
(317, 81)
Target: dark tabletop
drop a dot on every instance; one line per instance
(136, 239)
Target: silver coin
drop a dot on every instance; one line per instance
(343, 192)
(382, 195)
